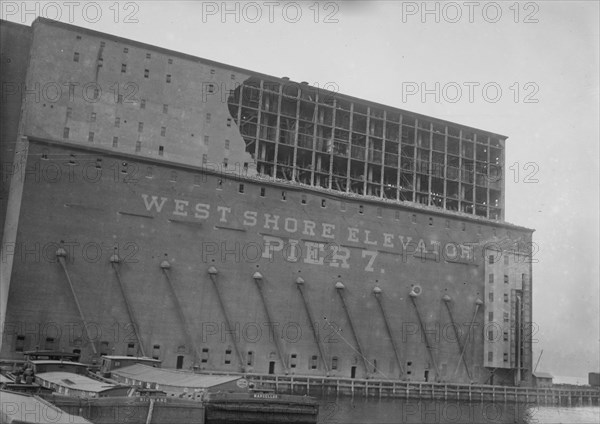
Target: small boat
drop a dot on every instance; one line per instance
(23, 408)
(75, 391)
(260, 407)
(227, 398)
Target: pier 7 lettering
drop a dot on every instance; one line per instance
(298, 239)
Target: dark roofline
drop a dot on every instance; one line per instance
(407, 206)
(41, 20)
(16, 24)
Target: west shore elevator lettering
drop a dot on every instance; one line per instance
(303, 240)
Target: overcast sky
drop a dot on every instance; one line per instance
(538, 62)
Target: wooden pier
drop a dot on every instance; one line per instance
(332, 386)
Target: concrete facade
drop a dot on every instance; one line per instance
(157, 224)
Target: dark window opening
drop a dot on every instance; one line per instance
(179, 364)
(241, 188)
(75, 57)
(262, 192)
(334, 363)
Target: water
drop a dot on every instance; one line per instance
(388, 411)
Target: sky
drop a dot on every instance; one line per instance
(527, 70)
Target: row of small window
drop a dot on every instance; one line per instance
(491, 356)
(124, 68)
(50, 343)
(491, 279)
(506, 317)
(148, 56)
(491, 297)
(492, 336)
(93, 117)
(492, 259)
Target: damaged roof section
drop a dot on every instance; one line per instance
(298, 133)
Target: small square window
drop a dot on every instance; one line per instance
(212, 71)
(148, 55)
(168, 78)
(505, 297)
(75, 57)
(102, 44)
(146, 73)
(123, 68)
(78, 37)
(490, 259)
(505, 279)
(228, 122)
(161, 150)
(170, 61)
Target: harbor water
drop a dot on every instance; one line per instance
(345, 410)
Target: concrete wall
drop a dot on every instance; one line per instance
(14, 56)
(204, 220)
